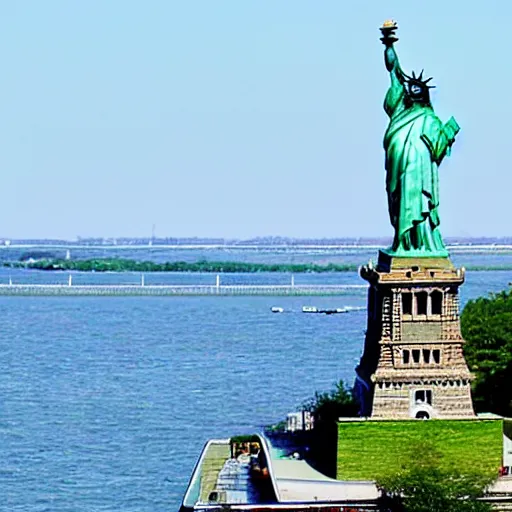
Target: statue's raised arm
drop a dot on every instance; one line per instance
(396, 93)
(388, 39)
(416, 142)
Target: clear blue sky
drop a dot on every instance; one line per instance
(240, 118)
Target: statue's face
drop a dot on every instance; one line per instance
(416, 90)
(417, 93)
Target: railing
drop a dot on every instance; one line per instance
(199, 289)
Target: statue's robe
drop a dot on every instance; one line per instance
(415, 143)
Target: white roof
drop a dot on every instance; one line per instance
(296, 481)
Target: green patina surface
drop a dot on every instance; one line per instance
(415, 143)
(371, 450)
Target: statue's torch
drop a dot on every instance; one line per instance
(388, 32)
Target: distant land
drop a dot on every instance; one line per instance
(252, 242)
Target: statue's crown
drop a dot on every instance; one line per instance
(418, 80)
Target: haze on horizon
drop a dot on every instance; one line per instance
(239, 119)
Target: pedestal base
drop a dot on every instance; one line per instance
(413, 364)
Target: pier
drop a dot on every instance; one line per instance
(177, 290)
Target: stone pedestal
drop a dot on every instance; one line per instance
(413, 365)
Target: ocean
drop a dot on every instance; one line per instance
(106, 402)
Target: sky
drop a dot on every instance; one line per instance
(240, 118)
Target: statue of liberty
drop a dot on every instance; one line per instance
(415, 142)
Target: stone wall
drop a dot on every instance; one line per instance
(415, 343)
(450, 399)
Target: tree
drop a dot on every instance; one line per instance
(487, 328)
(326, 408)
(332, 405)
(425, 485)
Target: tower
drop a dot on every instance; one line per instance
(413, 364)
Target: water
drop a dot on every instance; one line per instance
(106, 402)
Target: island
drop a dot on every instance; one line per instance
(128, 265)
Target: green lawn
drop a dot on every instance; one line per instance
(369, 450)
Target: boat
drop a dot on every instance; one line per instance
(313, 309)
(276, 309)
(250, 474)
(346, 309)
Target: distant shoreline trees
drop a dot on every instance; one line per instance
(127, 265)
